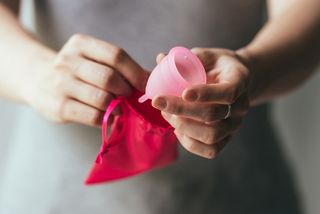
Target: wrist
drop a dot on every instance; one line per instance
(249, 60)
(37, 63)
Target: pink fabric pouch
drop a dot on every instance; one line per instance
(140, 140)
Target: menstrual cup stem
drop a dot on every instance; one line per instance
(143, 98)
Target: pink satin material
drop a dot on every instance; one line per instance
(140, 140)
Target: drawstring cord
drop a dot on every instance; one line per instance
(104, 146)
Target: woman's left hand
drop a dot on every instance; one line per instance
(201, 117)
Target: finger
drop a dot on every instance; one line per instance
(205, 112)
(195, 147)
(207, 134)
(200, 149)
(223, 93)
(74, 111)
(206, 56)
(87, 94)
(101, 76)
(232, 81)
(109, 54)
(160, 57)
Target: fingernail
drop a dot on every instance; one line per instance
(160, 103)
(191, 96)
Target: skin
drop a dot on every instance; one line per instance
(198, 116)
(263, 70)
(76, 83)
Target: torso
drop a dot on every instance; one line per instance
(49, 162)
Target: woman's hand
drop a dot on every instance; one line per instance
(199, 117)
(78, 83)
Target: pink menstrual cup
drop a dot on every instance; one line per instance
(177, 71)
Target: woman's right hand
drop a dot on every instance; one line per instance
(78, 83)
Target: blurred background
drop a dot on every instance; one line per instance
(296, 118)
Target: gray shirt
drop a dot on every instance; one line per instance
(48, 162)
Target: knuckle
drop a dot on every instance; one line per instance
(77, 39)
(119, 55)
(191, 146)
(210, 136)
(196, 49)
(59, 82)
(94, 118)
(101, 98)
(62, 60)
(212, 154)
(209, 114)
(109, 77)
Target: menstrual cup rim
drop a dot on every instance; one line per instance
(172, 66)
(192, 57)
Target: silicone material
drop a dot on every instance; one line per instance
(178, 70)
